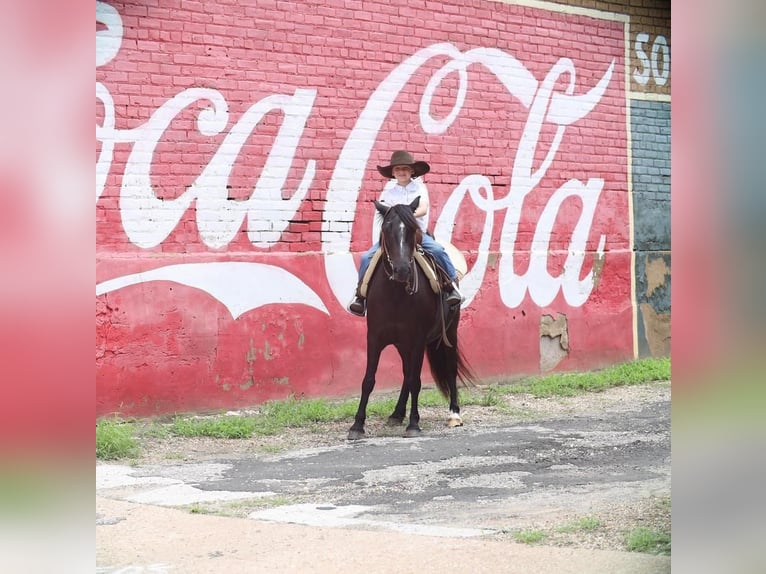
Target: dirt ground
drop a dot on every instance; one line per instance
(610, 512)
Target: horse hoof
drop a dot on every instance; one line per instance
(394, 422)
(412, 432)
(355, 434)
(454, 420)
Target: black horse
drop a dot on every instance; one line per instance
(403, 310)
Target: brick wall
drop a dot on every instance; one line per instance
(648, 43)
(237, 146)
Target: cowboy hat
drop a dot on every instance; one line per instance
(402, 157)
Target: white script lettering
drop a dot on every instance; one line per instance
(148, 219)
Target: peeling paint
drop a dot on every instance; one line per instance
(250, 358)
(554, 340)
(656, 273)
(267, 354)
(281, 381)
(555, 328)
(251, 355)
(657, 329)
(301, 340)
(598, 267)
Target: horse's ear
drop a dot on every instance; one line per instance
(381, 207)
(415, 203)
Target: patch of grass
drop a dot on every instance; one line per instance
(152, 429)
(428, 398)
(584, 524)
(267, 502)
(529, 536)
(647, 540)
(275, 416)
(237, 508)
(298, 412)
(379, 407)
(569, 384)
(217, 427)
(491, 398)
(114, 440)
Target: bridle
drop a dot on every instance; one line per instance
(413, 282)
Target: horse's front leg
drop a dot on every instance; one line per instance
(414, 384)
(368, 384)
(397, 417)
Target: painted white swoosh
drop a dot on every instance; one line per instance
(566, 109)
(240, 286)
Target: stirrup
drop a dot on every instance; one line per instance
(455, 297)
(357, 306)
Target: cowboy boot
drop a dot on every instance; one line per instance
(358, 305)
(454, 296)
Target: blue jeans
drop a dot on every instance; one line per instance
(429, 245)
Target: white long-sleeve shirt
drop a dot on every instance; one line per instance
(394, 194)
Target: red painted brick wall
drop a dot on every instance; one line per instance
(237, 146)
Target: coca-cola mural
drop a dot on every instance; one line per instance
(236, 156)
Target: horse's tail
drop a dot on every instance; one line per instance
(446, 362)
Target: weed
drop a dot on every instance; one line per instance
(152, 429)
(584, 524)
(647, 540)
(114, 439)
(529, 536)
(429, 398)
(223, 427)
(569, 384)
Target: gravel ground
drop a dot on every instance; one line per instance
(604, 526)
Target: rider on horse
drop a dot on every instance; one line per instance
(404, 169)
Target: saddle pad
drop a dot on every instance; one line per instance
(457, 258)
(368, 273)
(428, 269)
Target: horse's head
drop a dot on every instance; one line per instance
(399, 235)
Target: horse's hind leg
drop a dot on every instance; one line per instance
(453, 419)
